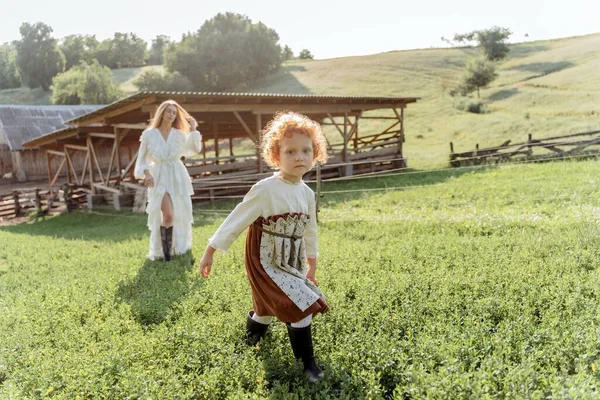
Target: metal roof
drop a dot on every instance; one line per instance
(234, 98)
(20, 124)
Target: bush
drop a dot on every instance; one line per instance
(169, 81)
(85, 84)
(474, 106)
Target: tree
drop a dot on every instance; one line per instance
(305, 54)
(492, 41)
(287, 53)
(78, 48)
(124, 50)
(479, 72)
(9, 72)
(153, 80)
(157, 50)
(228, 51)
(38, 57)
(85, 84)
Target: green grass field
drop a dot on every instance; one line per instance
(466, 283)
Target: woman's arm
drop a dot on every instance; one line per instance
(143, 162)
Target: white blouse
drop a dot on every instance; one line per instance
(270, 196)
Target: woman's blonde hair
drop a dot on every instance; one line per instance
(285, 123)
(181, 121)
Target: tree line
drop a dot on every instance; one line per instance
(227, 51)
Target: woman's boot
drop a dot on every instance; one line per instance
(301, 340)
(166, 235)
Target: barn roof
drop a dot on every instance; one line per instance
(240, 101)
(22, 123)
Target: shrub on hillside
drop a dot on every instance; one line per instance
(169, 81)
(85, 84)
(468, 104)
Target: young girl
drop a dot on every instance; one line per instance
(282, 236)
(169, 209)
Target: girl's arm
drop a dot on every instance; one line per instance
(312, 270)
(207, 260)
(237, 221)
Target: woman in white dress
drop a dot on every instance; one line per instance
(171, 135)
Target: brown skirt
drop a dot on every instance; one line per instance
(267, 298)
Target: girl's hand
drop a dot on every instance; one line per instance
(206, 264)
(312, 269)
(310, 275)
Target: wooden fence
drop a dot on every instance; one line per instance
(42, 201)
(552, 147)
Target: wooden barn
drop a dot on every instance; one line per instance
(230, 124)
(20, 124)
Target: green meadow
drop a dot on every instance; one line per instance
(472, 283)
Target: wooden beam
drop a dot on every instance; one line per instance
(110, 165)
(246, 128)
(102, 135)
(55, 153)
(49, 165)
(118, 139)
(141, 126)
(107, 188)
(90, 161)
(85, 165)
(58, 172)
(121, 110)
(131, 164)
(75, 147)
(95, 157)
(258, 132)
(70, 169)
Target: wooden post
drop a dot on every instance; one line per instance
(318, 194)
(49, 161)
(451, 148)
(130, 157)
(347, 170)
(258, 152)
(529, 140)
(118, 154)
(90, 163)
(216, 135)
(15, 194)
(230, 146)
(38, 201)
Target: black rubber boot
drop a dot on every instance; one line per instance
(166, 234)
(301, 340)
(255, 331)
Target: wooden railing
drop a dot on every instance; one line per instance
(551, 147)
(42, 201)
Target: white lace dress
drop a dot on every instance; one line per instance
(163, 159)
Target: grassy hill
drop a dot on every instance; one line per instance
(544, 88)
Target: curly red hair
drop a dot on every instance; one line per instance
(285, 123)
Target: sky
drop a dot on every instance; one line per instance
(327, 28)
